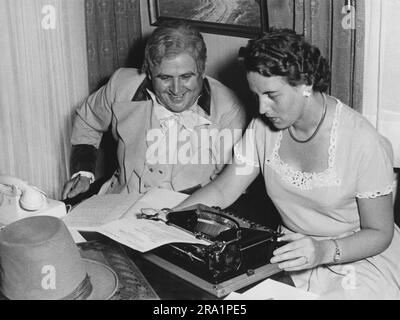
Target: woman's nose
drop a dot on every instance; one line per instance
(264, 107)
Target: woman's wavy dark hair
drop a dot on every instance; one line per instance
(283, 52)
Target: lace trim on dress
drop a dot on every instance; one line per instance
(309, 180)
(375, 194)
(241, 158)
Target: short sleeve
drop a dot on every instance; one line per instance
(245, 151)
(375, 175)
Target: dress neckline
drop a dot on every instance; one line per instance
(308, 180)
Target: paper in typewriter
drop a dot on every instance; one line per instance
(115, 216)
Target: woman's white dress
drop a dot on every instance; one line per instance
(323, 204)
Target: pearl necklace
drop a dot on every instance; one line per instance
(318, 126)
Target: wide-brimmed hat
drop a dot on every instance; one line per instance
(40, 261)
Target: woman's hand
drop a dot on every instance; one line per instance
(302, 252)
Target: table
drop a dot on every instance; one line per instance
(167, 286)
(170, 287)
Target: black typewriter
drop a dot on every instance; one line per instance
(236, 246)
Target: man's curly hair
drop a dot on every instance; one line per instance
(172, 38)
(283, 52)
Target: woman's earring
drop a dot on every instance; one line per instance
(307, 93)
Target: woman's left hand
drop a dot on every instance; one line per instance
(302, 252)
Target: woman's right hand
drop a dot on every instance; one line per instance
(75, 186)
(302, 252)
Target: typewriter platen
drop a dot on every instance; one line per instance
(238, 253)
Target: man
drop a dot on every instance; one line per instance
(167, 120)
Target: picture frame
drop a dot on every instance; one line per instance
(239, 18)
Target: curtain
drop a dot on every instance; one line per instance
(43, 77)
(381, 103)
(336, 27)
(114, 38)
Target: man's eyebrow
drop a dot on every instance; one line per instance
(188, 74)
(191, 73)
(163, 75)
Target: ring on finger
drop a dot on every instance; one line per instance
(306, 259)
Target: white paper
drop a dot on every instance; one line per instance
(144, 235)
(98, 210)
(271, 289)
(115, 215)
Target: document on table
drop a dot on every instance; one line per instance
(98, 210)
(115, 216)
(273, 290)
(144, 235)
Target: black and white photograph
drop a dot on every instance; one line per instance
(202, 158)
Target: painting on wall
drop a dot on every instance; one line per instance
(241, 18)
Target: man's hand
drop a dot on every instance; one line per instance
(75, 186)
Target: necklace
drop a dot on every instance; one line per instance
(316, 129)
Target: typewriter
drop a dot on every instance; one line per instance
(238, 252)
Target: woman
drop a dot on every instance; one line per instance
(327, 170)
